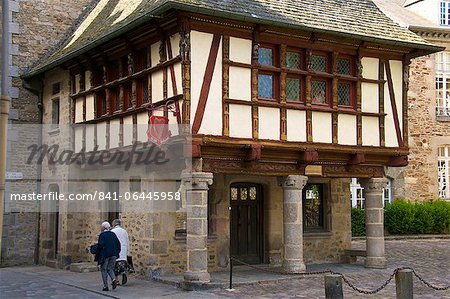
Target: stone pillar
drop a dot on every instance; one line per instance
(373, 193)
(196, 184)
(293, 223)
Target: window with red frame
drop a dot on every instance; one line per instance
(295, 84)
(345, 65)
(140, 60)
(142, 91)
(114, 99)
(113, 71)
(100, 99)
(320, 91)
(127, 101)
(268, 81)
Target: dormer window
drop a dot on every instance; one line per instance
(445, 13)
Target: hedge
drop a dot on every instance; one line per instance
(403, 217)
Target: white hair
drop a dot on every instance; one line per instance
(106, 225)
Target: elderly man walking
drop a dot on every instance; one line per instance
(108, 252)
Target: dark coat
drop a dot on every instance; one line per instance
(108, 246)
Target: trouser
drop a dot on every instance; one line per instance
(107, 268)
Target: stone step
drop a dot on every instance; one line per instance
(83, 267)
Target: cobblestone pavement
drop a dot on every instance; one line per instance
(430, 258)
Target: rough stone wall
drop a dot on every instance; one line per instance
(419, 180)
(35, 27)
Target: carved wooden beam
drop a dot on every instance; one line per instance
(356, 159)
(253, 153)
(308, 157)
(398, 161)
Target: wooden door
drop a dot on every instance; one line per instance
(246, 222)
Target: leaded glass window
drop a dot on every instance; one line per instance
(234, 193)
(318, 63)
(293, 60)
(265, 86)
(344, 94)
(343, 67)
(319, 92)
(293, 89)
(265, 56)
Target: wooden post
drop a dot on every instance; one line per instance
(333, 287)
(404, 284)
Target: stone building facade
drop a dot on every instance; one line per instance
(35, 27)
(428, 112)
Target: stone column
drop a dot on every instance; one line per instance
(293, 223)
(196, 184)
(373, 193)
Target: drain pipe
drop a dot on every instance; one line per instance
(5, 102)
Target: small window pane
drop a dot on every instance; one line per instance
(293, 89)
(293, 60)
(344, 94)
(318, 63)
(319, 92)
(343, 66)
(313, 206)
(56, 88)
(145, 87)
(265, 56)
(265, 86)
(252, 193)
(234, 193)
(243, 193)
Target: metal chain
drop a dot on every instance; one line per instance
(345, 279)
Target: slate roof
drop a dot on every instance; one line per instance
(105, 19)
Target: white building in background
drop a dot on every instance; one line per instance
(357, 192)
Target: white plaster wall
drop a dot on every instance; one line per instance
(240, 50)
(240, 121)
(77, 83)
(178, 80)
(370, 68)
(101, 135)
(240, 83)
(87, 79)
(212, 118)
(397, 80)
(370, 131)
(321, 127)
(154, 53)
(369, 97)
(389, 125)
(142, 123)
(296, 125)
(157, 86)
(114, 129)
(89, 107)
(200, 47)
(79, 110)
(78, 138)
(127, 130)
(269, 123)
(347, 129)
(90, 133)
(175, 44)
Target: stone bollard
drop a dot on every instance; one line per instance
(333, 286)
(404, 284)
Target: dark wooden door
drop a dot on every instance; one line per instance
(246, 222)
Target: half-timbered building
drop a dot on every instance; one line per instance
(280, 102)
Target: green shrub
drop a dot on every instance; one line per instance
(358, 222)
(403, 217)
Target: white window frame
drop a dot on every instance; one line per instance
(387, 193)
(444, 13)
(444, 172)
(357, 194)
(442, 60)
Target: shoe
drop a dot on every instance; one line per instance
(115, 282)
(105, 289)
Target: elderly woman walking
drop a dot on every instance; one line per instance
(108, 251)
